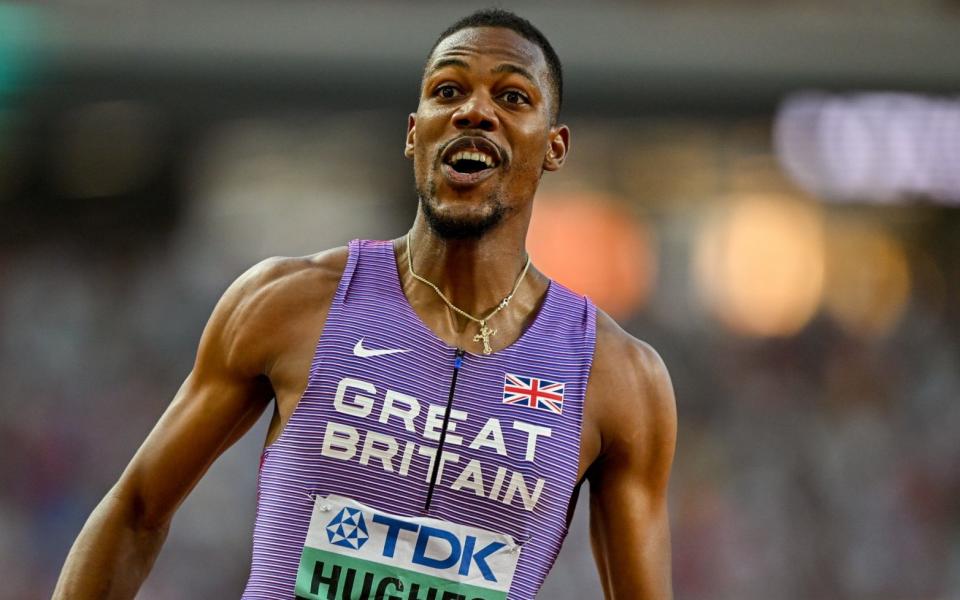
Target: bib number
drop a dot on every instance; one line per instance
(353, 552)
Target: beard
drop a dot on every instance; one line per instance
(460, 226)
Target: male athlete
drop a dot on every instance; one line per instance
(439, 401)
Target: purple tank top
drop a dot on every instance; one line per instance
(375, 411)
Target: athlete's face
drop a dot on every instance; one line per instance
(482, 134)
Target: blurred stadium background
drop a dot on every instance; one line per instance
(765, 191)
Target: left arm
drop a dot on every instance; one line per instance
(637, 421)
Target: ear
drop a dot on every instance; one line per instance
(559, 146)
(411, 129)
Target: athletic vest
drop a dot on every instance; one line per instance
(384, 392)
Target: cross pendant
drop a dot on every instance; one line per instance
(484, 336)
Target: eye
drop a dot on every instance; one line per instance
(446, 92)
(515, 97)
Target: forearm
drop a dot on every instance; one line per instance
(112, 555)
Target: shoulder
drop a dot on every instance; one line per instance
(269, 302)
(281, 281)
(631, 391)
(623, 360)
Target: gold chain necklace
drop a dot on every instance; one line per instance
(485, 332)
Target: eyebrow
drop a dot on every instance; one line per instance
(502, 68)
(448, 62)
(512, 68)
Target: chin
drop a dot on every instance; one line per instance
(457, 220)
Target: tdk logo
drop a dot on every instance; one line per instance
(348, 529)
(447, 549)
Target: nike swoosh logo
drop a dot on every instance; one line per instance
(362, 352)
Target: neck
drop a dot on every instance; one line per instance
(474, 274)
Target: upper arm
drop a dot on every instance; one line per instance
(628, 483)
(220, 399)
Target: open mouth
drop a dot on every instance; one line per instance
(468, 159)
(470, 162)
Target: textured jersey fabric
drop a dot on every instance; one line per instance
(509, 468)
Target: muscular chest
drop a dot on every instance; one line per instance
(290, 374)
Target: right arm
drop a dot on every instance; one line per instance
(218, 402)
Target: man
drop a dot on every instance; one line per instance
(431, 444)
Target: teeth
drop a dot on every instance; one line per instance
(477, 156)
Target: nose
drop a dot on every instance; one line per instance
(476, 112)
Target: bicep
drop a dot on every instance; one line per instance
(629, 520)
(630, 535)
(203, 419)
(220, 398)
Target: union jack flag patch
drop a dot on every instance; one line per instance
(532, 392)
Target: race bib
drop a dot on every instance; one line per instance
(353, 552)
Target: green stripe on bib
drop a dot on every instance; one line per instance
(327, 576)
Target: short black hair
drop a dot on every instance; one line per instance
(497, 17)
